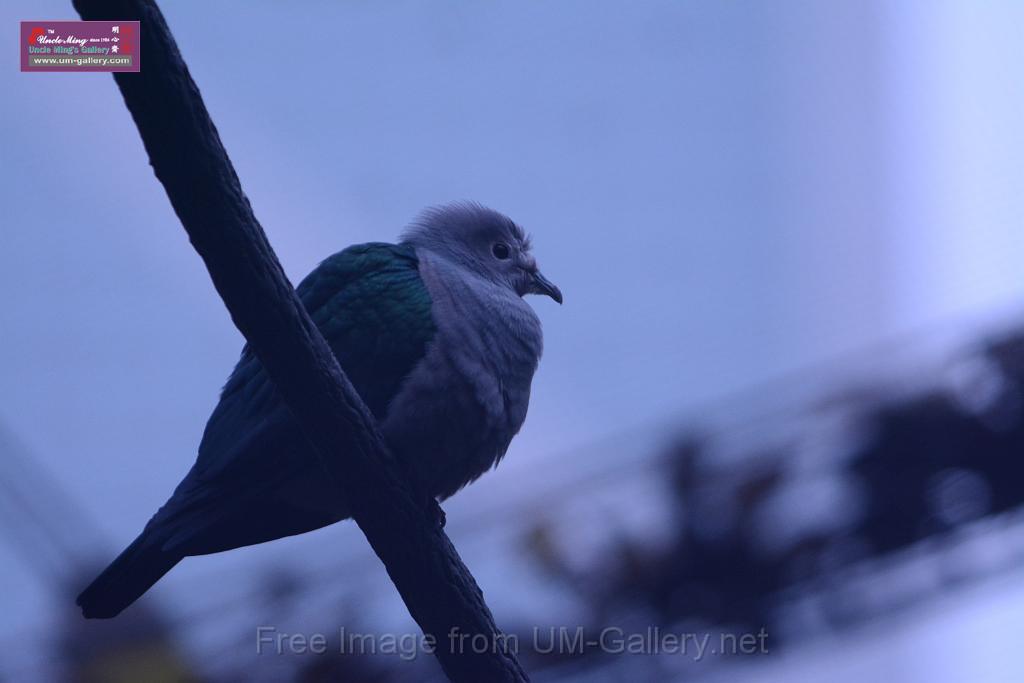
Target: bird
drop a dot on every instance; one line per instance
(435, 336)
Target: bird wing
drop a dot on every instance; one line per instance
(375, 312)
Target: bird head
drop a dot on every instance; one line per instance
(484, 241)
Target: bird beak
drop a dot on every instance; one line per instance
(541, 285)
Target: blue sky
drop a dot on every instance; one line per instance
(725, 192)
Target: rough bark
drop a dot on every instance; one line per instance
(189, 160)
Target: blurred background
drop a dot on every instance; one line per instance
(785, 391)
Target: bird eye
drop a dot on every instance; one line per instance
(500, 251)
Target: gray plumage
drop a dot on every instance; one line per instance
(438, 341)
(469, 396)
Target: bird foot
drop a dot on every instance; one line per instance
(436, 513)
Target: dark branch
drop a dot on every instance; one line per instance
(188, 158)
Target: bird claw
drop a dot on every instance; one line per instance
(436, 513)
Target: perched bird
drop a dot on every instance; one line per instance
(435, 336)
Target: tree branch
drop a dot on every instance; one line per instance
(188, 158)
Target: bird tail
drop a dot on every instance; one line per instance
(129, 576)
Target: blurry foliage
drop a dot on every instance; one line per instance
(749, 534)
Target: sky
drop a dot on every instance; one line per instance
(724, 192)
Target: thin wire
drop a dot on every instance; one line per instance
(50, 507)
